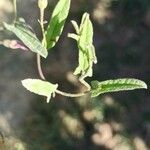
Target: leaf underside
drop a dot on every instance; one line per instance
(116, 85)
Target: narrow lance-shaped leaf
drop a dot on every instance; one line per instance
(40, 87)
(116, 85)
(57, 22)
(27, 37)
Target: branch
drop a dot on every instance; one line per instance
(39, 61)
(70, 94)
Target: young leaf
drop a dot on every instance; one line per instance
(116, 85)
(40, 87)
(57, 22)
(73, 36)
(27, 37)
(84, 38)
(76, 27)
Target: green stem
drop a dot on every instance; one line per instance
(40, 67)
(43, 42)
(15, 9)
(42, 26)
(70, 94)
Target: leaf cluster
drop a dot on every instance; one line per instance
(86, 53)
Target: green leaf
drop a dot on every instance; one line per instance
(84, 38)
(57, 22)
(116, 85)
(40, 87)
(73, 36)
(75, 25)
(23, 32)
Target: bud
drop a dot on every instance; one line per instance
(42, 4)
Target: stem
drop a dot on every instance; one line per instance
(83, 82)
(69, 94)
(43, 42)
(40, 67)
(81, 79)
(42, 26)
(15, 9)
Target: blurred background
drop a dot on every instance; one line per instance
(115, 121)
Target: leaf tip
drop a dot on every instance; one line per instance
(145, 85)
(25, 82)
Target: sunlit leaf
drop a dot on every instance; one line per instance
(73, 36)
(40, 87)
(57, 22)
(84, 38)
(27, 37)
(75, 25)
(116, 85)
